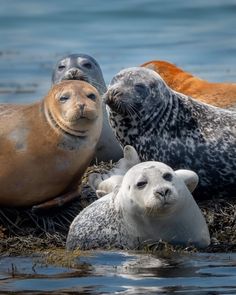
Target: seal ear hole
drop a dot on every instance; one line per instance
(141, 184)
(87, 65)
(167, 176)
(92, 96)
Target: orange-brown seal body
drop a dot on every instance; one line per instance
(45, 147)
(218, 94)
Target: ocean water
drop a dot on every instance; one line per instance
(198, 36)
(122, 273)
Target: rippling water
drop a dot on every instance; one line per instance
(198, 36)
(123, 273)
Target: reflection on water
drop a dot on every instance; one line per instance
(123, 273)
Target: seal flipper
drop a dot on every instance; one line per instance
(189, 177)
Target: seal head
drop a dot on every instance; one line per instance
(79, 67)
(73, 106)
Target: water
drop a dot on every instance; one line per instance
(198, 36)
(123, 273)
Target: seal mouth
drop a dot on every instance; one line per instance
(65, 129)
(73, 131)
(76, 75)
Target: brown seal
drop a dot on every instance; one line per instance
(218, 94)
(46, 146)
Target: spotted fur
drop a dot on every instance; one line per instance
(167, 126)
(100, 225)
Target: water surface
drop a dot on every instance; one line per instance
(199, 36)
(122, 273)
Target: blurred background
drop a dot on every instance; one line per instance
(199, 36)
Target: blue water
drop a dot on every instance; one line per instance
(198, 36)
(123, 273)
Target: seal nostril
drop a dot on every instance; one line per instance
(73, 72)
(164, 192)
(82, 106)
(167, 192)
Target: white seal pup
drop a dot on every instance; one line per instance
(86, 68)
(170, 127)
(105, 183)
(153, 202)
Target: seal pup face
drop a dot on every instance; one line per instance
(73, 106)
(136, 92)
(79, 67)
(154, 189)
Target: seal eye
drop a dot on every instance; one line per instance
(167, 176)
(61, 67)
(141, 89)
(91, 96)
(64, 98)
(141, 184)
(87, 65)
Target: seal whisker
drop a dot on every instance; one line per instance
(134, 109)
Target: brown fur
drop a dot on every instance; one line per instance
(35, 162)
(217, 94)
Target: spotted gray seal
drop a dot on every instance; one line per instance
(153, 202)
(86, 68)
(167, 126)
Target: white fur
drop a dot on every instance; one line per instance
(105, 183)
(150, 215)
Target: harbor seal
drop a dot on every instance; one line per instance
(218, 94)
(167, 126)
(153, 203)
(105, 183)
(86, 68)
(46, 146)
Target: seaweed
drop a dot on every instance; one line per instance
(24, 232)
